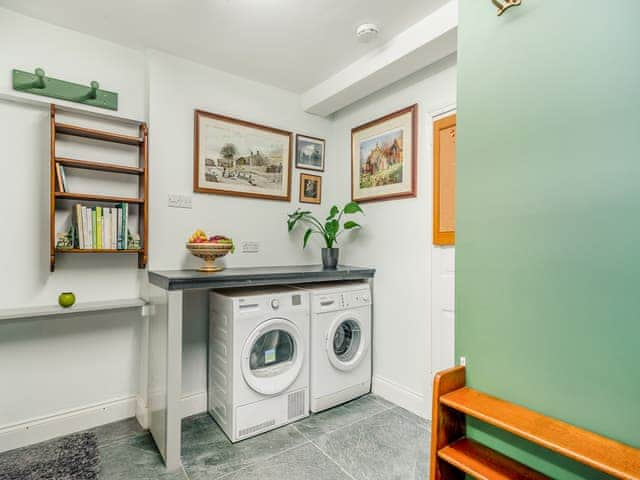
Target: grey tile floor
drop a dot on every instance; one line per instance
(366, 439)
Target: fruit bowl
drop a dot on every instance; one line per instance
(209, 252)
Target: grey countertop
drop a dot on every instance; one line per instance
(248, 276)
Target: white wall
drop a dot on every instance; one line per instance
(397, 239)
(82, 366)
(177, 87)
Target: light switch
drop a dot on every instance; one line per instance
(249, 246)
(180, 201)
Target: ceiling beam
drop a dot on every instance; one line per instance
(422, 44)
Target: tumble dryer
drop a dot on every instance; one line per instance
(340, 353)
(258, 359)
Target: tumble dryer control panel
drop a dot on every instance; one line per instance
(341, 301)
(270, 302)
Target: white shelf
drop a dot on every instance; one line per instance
(65, 107)
(53, 310)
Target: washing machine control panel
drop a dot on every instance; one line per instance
(341, 301)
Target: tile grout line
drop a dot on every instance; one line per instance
(332, 460)
(385, 409)
(264, 459)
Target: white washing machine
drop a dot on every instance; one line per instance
(340, 342)
(258, 359)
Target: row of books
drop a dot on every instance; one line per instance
(101, 227)
(62, 178)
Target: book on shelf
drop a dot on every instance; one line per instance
(65, 186)
(92, 231)
(106, 228)
(88, 227)
(100, 228)
(61, 178)
(99, 225)
(114, 228)
(79, 226)
(119, 229)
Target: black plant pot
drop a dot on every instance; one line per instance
(330, 258)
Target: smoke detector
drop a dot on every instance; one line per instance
(367, 31)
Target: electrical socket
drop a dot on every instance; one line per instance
(180, 201)
(249, 246)
(463, 361)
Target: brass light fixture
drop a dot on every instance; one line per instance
(506, 5)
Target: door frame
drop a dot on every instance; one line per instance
(429, 368)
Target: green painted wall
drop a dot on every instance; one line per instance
(548, 241)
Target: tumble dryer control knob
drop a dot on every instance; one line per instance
(275, 304)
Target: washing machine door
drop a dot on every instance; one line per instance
(346, 343)
(272, 356)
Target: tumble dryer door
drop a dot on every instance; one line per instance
(272, 356)
(346, 341)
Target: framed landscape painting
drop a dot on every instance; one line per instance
(309, 153)
(384, 157)
(234, 157)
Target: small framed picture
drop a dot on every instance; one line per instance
(309, 153)
(310, 188)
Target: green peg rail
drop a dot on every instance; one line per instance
(38, 84)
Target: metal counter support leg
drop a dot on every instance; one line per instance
(165, 374)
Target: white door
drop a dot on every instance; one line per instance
(443, 309)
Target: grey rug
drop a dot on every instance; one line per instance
(69, 458)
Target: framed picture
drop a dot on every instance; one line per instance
(234, 157)
(384, 157)
(309, 153)
(310, 188)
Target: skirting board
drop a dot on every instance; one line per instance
(66, 422)
(400, 395)
(78, 419)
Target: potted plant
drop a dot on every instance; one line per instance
(329, 230)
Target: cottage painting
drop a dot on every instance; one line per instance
(383, 157)
(233, 157)
(381, 160)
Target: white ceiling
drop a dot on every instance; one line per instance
(293, 44)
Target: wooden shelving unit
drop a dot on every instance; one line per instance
(453, 455)
(141, 142)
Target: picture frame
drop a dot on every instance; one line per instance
(240, 158)
(310, 188)
(310, 153)
(384, 155)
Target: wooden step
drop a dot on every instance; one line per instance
(601, 453)
(484, 463)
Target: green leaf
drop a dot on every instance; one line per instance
(352, 207)
(350, 224)
(307, 234)
(332, 227)
(333, 212)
